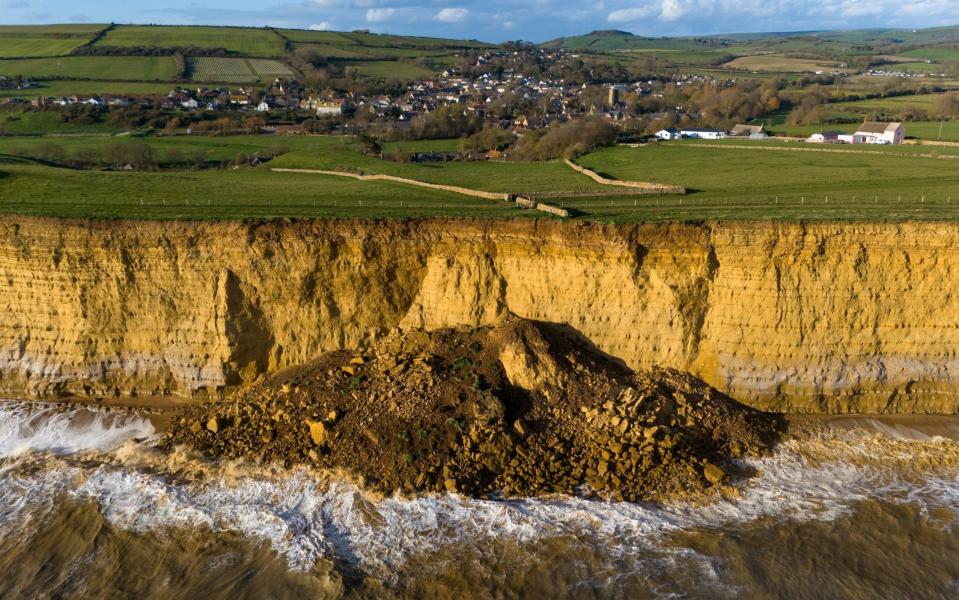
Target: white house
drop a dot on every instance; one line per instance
(872, 132)
(190, 104)
(704, 134)
(825, 137)
(263, 107)
(329, 108)
(669, 134)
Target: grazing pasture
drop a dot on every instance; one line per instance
(103, 68)
(240, 41)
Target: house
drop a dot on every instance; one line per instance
(263, 106)
(825, 137)
(704, 134)
(741, 129)
(328, 108)
(872, 132)
(669, 134)
(190, 104)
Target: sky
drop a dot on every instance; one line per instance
(501, 20)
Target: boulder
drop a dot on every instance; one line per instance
(714, 474)
(318, 432)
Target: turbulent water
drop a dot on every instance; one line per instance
(89, 507)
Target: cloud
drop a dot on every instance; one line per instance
(327, 3)
(671, 10)
(322, 26)
(18, 4)
(79, 18)
(378, 15)
(452, 15)
(628, 15)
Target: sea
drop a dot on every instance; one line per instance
(92, 505)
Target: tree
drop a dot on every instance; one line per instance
(947, 105)
(370, 144)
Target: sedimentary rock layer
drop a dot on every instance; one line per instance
(825, 317)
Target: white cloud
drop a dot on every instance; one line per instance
(452, 15)
(322, 26)
(327, 3)
(628, 15)
(671, 10)
(377, 15)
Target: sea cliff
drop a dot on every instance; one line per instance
(801, 317)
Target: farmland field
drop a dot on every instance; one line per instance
(25, 47)
(779, 64)
(43, 40)
(934, 53)
(236, 70)
(373, 40)
(249, 193)
(780, 184)
(122, 68)
(248, 42)
(388, 69)
(778, 168)
(67, 87)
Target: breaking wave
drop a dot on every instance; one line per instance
(90, 455)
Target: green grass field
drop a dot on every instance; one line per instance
(893, 103)
(236, 70)
(776, 63)
(717, 173)
(23, 41)
(726, 181)
(938, 53)
(36, 123)
(67, 87)
(375, 40)
(244, 41)
(492, 176)
(241, 194)
(104, 68)
(388, 69)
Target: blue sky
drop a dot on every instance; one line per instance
(499, 20)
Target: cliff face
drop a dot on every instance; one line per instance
(812, 318)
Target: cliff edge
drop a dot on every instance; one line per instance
(822, 317)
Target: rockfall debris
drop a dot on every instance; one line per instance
(523, 408)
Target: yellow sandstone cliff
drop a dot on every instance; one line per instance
(828, 317)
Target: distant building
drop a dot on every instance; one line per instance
(872, 132)
(704, 134)
(615, 94)
(329, 108)
(741, 129)
(825, 137)
(669, 134)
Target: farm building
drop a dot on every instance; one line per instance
(669, 134)
(742, 130)
(825, 137)
(704, 134)
(872, 132)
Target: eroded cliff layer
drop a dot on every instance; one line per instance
(824, 317)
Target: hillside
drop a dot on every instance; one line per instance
(145, 53)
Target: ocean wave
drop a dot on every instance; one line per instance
(36, 427)
(306, 516)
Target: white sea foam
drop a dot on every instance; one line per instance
(305, 518)
(26, 427)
